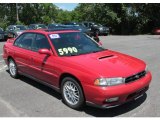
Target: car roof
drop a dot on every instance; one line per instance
(46, 31)
(15, 25)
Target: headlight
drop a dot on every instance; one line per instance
(109, 81)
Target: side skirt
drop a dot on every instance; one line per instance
(40, 81)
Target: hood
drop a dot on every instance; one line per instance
(109, 63)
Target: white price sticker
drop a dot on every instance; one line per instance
(68, 50)
(53, 36)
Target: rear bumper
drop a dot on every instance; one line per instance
(97, 96)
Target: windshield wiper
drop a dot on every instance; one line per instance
(79, 54)
(86, 52)
(95, 51)
(73, 54)
(98, 51)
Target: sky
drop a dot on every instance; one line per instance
(66, 6)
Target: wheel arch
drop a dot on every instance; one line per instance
(63, 75)
(9, 57)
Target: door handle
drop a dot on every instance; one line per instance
(44, 60)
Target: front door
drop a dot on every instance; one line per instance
(42, 65)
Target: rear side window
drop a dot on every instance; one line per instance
(25, 40)
(40, 42)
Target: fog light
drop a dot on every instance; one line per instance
(112, 99)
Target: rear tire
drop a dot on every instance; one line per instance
(13, 70)
(72, 93)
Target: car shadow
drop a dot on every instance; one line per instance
(97, 112)
(111, 112)
(39, 86)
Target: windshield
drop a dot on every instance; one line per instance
(74, 43)
(78, 27)
(96, 25)
(81, 27)
(21, 28)
(52, 26)
(42, 26)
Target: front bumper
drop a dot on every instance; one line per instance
(96, 95)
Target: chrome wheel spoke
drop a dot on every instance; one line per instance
(66, 88)
(73, 100)
(71, 93)
(12, 68)
(76, 96)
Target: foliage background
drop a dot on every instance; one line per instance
(123, 18)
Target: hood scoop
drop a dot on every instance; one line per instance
(108, 56)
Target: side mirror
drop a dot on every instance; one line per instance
(44, 51)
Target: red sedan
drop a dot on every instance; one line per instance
(76, 66)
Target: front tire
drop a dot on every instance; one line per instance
(72, 93)
(13, 70)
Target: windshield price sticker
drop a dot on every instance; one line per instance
(53, 36)
(68, 50)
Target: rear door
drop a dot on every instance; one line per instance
(23, 51)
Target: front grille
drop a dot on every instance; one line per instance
(135, 77)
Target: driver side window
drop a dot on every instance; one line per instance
(40, 42)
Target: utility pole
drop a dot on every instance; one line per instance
(17, 12)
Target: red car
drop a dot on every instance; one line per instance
(76, 66)
(156, 31)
